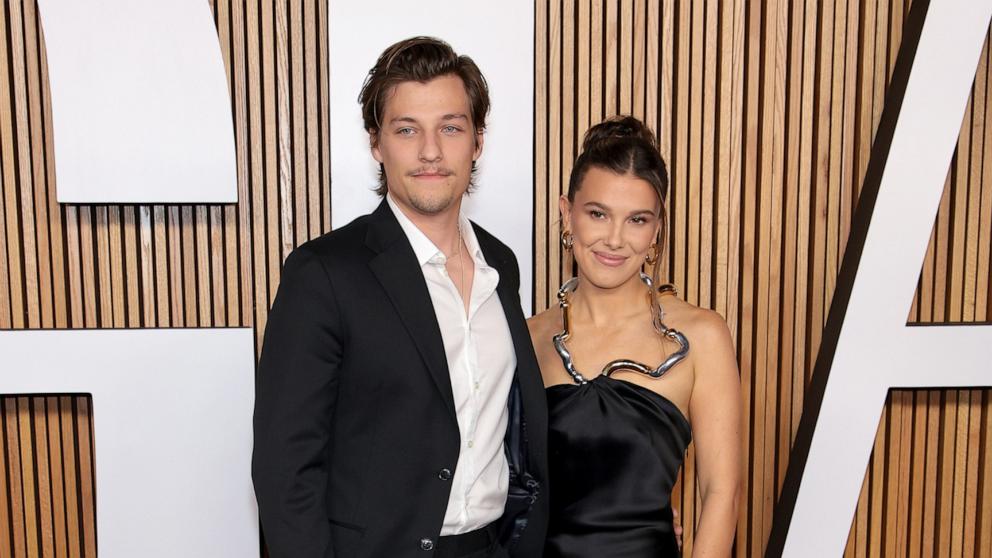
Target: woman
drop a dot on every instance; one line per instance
(618, 428)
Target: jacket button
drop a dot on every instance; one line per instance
(426, 544)
(444, 474)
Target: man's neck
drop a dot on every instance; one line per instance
(441, 228)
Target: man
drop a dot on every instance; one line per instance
(399, 408)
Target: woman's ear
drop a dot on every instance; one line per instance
(565, 208)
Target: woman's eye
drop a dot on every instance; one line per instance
(638, 220)
(596, 214)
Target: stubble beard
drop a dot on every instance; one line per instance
(432, 202)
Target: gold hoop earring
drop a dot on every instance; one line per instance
(566, 240)
(652, 256)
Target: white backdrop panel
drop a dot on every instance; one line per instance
(875, 349)
(172, 416)
(499, 36)
(140, 106)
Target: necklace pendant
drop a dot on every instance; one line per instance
(620, 364)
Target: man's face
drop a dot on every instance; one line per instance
(427, 144)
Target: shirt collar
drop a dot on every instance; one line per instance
(425, 249)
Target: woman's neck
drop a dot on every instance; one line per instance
(604, 307)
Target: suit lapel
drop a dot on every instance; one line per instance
(528, 374)
(518, 330)
(529, 377)
(396, 268)
(509, 299)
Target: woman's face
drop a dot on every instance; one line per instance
(614, 220)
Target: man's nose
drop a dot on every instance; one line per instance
(430, 149)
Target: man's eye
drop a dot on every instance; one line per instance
(450, 129)
(405, 131)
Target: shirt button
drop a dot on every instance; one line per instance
(426, 544)
(476, 386)
(444, 474)
(471, 443)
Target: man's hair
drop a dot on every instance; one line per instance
(419, 59)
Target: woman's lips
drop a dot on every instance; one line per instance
(611, 260)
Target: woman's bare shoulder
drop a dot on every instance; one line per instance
(695, 322)
(542, 323)
(712, 348)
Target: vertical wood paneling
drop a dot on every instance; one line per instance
(790, 222)
(55, 466)
(544, 229)
(14, 275)
(99, 266)
(766, 113)
(752, 378)
(67, 418)
(731, 109)
(7, 488)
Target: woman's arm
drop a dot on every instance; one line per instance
(715, 410)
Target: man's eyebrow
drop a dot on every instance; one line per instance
(412, 120)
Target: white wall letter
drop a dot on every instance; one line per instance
(172, 413)
(140, 106)
(875, 350)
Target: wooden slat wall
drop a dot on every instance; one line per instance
(123, 266)
(766, 113)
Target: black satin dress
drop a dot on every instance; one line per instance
(615, 450)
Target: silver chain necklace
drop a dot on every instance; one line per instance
(619, 364)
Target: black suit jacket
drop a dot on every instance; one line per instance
(354, 413)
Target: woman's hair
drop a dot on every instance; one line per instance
(419, 59)
(624, 146)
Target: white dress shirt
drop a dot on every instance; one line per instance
(481, 363)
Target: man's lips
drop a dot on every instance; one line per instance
(431, 174)
(611, 260)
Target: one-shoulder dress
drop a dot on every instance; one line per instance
(615, 449)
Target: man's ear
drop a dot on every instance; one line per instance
(374, 144)
(480, 138)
